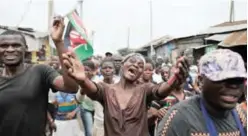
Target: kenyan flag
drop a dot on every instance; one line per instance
(76, 37)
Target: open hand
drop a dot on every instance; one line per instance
(57, 29)
(71, 115)
(74, 67)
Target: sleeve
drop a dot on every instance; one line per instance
(242, 115)
(173, 124)
(51, 97)
(100, 94)
(80, 97)
(151, 91)
(48, 74)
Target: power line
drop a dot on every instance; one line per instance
(25, 13)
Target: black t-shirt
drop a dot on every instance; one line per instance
(23, 101)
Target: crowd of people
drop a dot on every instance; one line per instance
(119, 95)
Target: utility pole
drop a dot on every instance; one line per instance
(92, 37)
(151, 29)
(128, 37)
(50, 13)
(49, 50)
(80, 2)
(231, 16)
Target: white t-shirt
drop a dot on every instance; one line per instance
(51, 96)
(157, 78)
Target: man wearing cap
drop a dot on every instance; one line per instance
(215, 112)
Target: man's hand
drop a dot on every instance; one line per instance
(52, 127)
(71, 115)
(162, 112)
(153, 112)
(74, 67)
(57, 29)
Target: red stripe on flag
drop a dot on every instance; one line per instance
(78, 21)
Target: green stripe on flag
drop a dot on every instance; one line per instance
(83, 51)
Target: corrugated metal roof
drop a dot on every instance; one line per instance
(28, 31)
(235, 39)
(158, 41)
(217, 37)
(231, 23)
(224, 29)
(33, 38)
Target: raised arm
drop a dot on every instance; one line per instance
(64, 82)
(162, 90)
(179, 76)
(75, 70)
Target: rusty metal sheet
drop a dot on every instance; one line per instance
(235, 39)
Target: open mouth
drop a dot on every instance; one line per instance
(132, 71)
(108, 74)
(10, 57)
(229, 98)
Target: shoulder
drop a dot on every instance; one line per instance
(242, 114)
(148, 85)
(186, 107)
(177, 118)
(188, 93)
(101, 85)
(41, 67)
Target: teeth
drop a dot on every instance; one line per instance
(231, 96)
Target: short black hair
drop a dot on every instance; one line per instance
(13, 32)
(148, 60)
(89, 64)
(111, 60)
(108, 53)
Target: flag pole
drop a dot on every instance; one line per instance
(50, 16)
(81, 8)
(151, 29)
(128, 37)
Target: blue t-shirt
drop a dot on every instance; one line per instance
(66, 104)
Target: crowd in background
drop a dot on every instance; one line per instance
(107, 69)
(120, 95)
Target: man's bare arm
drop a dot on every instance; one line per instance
(65, 83)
